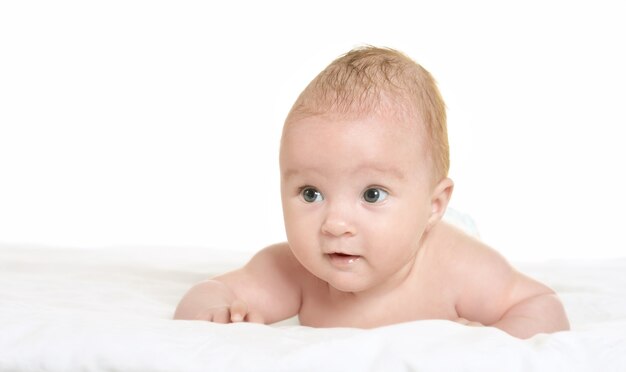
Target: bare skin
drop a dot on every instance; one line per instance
(366, 244)
(433, 289)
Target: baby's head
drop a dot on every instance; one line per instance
(381, 82)
(363, 160)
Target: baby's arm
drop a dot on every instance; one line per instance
(265, 290)
(538, 313)
(494, 294)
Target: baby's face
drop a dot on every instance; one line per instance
(356, 198)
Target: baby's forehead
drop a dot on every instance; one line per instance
(359, 135)
(355, 139)
(390, 121)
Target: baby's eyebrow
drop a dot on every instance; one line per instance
(386, 170)
(294, 172)
(290, 173)
(365, 168)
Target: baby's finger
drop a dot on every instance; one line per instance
(206, 314)
(254, 317)
(462, 321)
(238, 311)
(221, 315)
(469, 322)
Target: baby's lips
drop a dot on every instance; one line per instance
(343, 260)
(340, 252)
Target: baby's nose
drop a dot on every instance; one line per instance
(338, 223)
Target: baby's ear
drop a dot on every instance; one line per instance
(439, 201)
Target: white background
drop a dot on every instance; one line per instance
(157, 123)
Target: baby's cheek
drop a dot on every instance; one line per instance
(302, 243)
(295, 228)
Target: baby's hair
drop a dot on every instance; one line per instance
(370, 80)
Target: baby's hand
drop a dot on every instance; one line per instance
(469, 323)
(237, 311)
(213, 301)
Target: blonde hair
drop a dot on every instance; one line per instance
(369, 80)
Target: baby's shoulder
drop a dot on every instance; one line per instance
(279, 259)
(445, 238)
(278, 254)
(466, 264)
(459, 251)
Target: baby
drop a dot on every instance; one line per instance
(363, 161)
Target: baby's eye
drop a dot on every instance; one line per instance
(374, 195)
(311, 195)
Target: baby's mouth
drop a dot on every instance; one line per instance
(342, 259)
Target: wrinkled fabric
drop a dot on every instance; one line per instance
(110, 309)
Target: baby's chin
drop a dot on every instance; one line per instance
(348, 283)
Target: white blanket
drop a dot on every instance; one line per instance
(110, 310)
